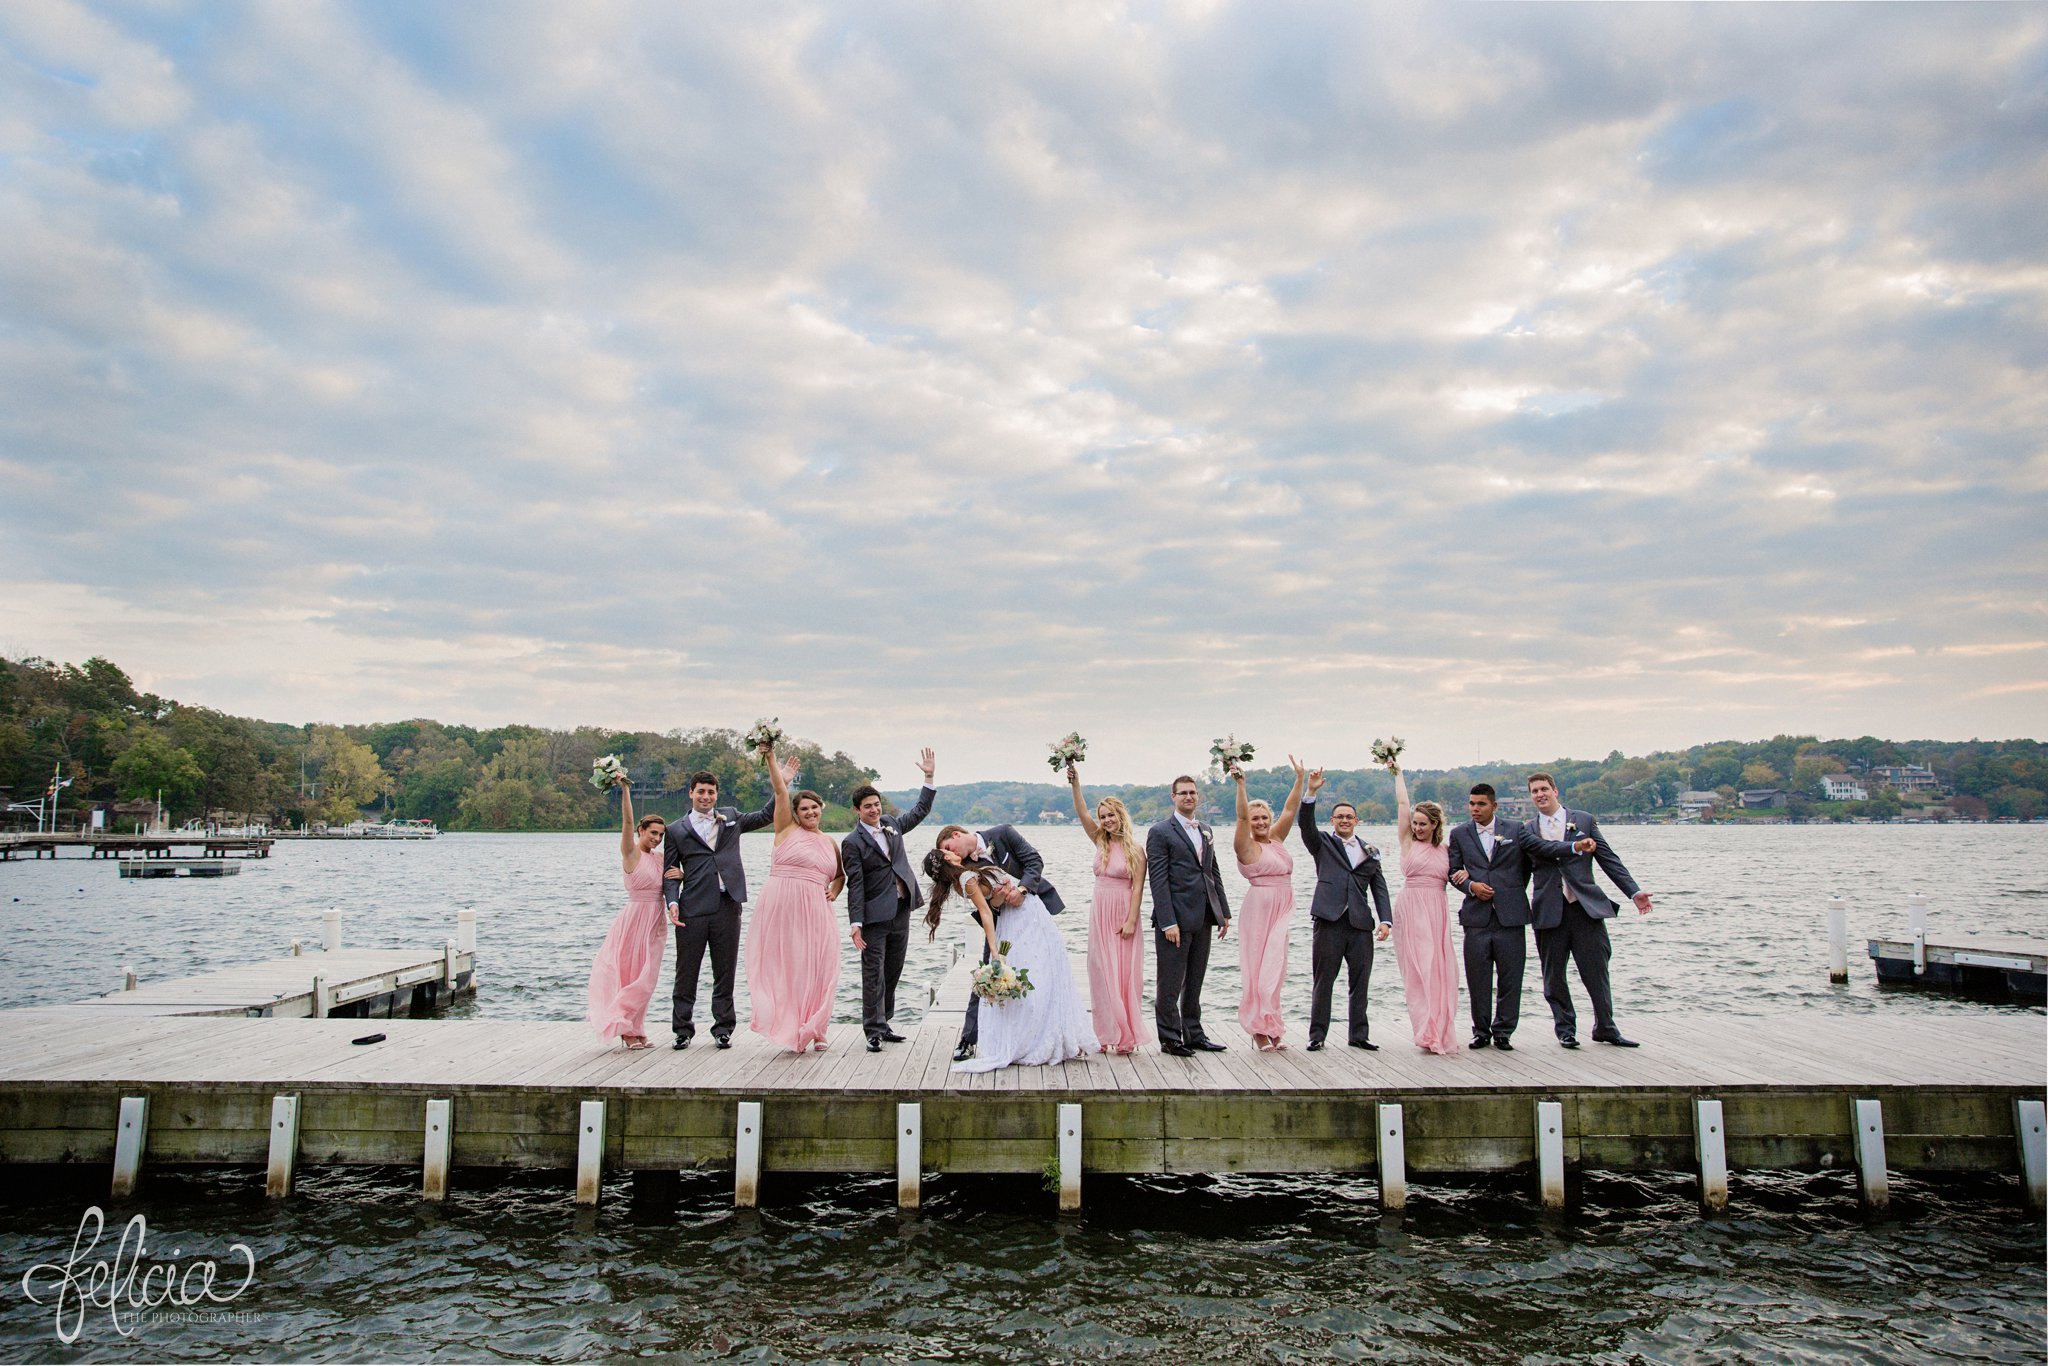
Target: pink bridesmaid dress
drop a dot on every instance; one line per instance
(1262, 923)
(622, 979)
(1422, 941)
(793, 943)
(1116, 963)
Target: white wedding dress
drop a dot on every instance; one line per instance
(1050, 1023)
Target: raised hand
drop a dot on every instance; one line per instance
(926, 764)
(1295, 764)
(790, 768)
(1315, 781)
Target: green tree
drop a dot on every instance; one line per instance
(348, 774)
(153, 765)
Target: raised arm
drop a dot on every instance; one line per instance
(1241, 841)
(1081, 811)
(1311, 838)
(1402, 809)
(785, 814)
(754, 820)
(1293, 807)
(629, 848)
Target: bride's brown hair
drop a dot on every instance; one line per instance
(946, 876)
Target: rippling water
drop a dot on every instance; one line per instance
(1254, 1269)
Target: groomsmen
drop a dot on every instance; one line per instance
(881, 892)
(1011, 852)
(705, 886)
(1571, 914)
(1187, 904)
(1490, 862)
(1349, 886)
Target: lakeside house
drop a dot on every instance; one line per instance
(1906, 777)
(1694, 804)
(1840, 787)
(1758, 798)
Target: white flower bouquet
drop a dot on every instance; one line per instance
(608, 772)
(1068, 752)
(1387, 753)
(996, 981)
(766, 732)
(1229, 755)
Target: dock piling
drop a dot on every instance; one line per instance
(1550, 1153)
(1710, 1136)
(589, 1152)
(2027, 1122)
(129, 981)
(909, 1154)
(434, 1163)
(746, 1156)
(465, 931)
(128, 1143)
(1838, 941)
(330, 930)
(298, 948)
(319, 997)
(1916, 925)
(1393, 1151)
(1868, 1118)
(1070, 1156)
(284, 1146)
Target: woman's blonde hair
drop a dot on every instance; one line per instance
(1258, 804)
(1134, 854)
(1436, 820)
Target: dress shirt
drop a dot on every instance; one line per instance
(1486, 839)
(707, 830)
(1553, 829)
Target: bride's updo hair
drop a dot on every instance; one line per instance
(946, 877)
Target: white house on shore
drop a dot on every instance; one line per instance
(1840, 787)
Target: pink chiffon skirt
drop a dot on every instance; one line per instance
(1262, 956)
(792, 962)
(1116, 968)
(628, 966)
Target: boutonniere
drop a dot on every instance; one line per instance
(1372, 851)
(1571, 829)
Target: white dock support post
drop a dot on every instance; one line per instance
(129, 1138)
(1838, 940)
(746, 1156)
(128, 978)
(330, 930)
(1070, 1156)
(2027, 1122)
(465, 931)
(284, 1146)
(1916, 925)
(1550, 1153)
(298, 948)
(589, 1152)
(1868, 1117)
(909, 1154)
(319, 997)
(448, 965)
(434, 1165)
(1710, 1136)
(1393, 1148)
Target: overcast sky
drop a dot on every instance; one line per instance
(1528, 381)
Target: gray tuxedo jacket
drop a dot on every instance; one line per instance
(1344, 892)
(1187, 883)
(874, 880)
(1546, 893)
(705, 867)
(1012, 853)
(1517, 852)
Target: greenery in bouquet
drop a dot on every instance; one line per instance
(1068, 752)
(608, 772)
(1229, 755)
(996, 981)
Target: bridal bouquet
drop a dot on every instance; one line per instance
(997, 982)
(608, 772)
(1068, 752)
(765, 732)
(1229, 754)
(1387, 753)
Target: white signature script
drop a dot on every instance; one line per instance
(115, 1286)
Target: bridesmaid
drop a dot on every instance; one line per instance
(623, 978)
(1422, 923)
(793, 944)
(1263, 919)
(1116, 955)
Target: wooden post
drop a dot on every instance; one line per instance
(330, 930)
(589, 1152)
(129, 1139)
(298, 948)
(1711, 1138)
(746, 1156)
(284, 1146)
(1070, 1156)
(1838, 941)
(1868, 1118)
(1393, 1144)
(319, 997)
(1550, 1153)
(448, 965)
(465, 931)
(2027, 1120)
(909, 1154)
(128, 978)
(434, 1166)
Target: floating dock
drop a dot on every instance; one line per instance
(2018, 967)
(180, 867)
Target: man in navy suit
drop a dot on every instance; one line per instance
(881, 892)
(1188, 906)
(705, 886)
(1011, 852)
(1491, 859)
(1571, 915)
(1350, 887)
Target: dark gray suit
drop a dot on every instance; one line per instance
(1187, 890)
(1496, 942)
(1012, 853)
(1342, 925)
(709, 897)
(881, 892)
(1576, 930)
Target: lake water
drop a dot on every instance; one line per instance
(1254, 1269)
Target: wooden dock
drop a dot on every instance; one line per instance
(135, 846)
(2015, 966)
(346, 983)
(180, 867)
(1815, 1091)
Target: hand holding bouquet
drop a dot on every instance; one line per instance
(766, 733)
(1387, 753)
(1068, 752)
(1229, 755)
(996, 981)
(608, 772)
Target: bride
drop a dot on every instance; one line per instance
(1048, 1024)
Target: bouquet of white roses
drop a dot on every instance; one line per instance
(1229, 755)
(1068, 752)
(1387, 753)
(765, 732)
(996, 981)
(608, 772)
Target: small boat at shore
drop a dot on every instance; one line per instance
(387, 830)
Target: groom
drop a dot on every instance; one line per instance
(1011, 852)
(881, 892)
(1349, 886)
(1187, 904)
(705, 885)
(1571, 915)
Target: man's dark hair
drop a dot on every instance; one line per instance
(702, 776)
(1535, 778)
(1184, 778)
(1340, 806)
(861, 794)
(1483, 790)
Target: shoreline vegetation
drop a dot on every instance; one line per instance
(120, 748)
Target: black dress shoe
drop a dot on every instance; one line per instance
(1503, 1045)
(1315, 1045)
(891, 1036)
(722, 1040)
(1481, 1041)
(1210, 1046)
(1568, 1040)
(963, 1052)
(1176, 1050)
(682, 1042)
(1368, 1047)
(874, 1043)
(1613, 1036)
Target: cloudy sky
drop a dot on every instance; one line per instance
(1527, 381)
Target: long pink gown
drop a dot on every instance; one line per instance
(1116, 964)
(1422, 941)
(622, 979)
(1262, 923)
(793, 943)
